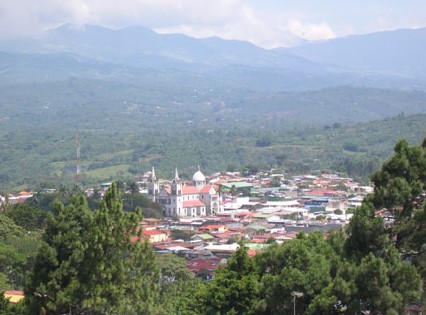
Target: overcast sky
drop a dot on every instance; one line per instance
(267, 23)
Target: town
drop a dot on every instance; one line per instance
(205, 217)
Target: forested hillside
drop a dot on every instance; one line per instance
(34, 157)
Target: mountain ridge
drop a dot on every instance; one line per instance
(396, 52)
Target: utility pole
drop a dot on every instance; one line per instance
(78, 165)
(296, 295)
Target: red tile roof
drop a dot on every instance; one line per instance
(193, 203)
(251, 252)
(153, 232)
(14, 292)
(206, 189)
(192, 190)
(198, 264)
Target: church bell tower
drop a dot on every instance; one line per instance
(153, 188)
(176, 184)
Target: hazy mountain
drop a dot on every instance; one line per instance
(139, 46)
(398, 52)
(94, 52)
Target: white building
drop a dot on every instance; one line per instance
(179, 200)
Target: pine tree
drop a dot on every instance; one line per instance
(235, 287)
(400, 187)
(88, 264)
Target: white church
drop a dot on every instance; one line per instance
(180, 200)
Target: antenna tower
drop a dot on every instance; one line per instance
(78, 168)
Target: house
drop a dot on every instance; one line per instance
(223, 250)
(217, 228)
(204, 267)
(237, 186)
(203, 237)
(14, 296)
(152, 236)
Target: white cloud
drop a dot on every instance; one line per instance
(310, 31)
(271, 24)
(237, 20)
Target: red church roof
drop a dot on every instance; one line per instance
(193, 203)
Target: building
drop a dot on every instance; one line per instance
(13, 296)
(181, 200)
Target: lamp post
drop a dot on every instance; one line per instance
(295, 295)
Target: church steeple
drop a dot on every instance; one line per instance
(153, 177)
(176, 184)
(153, 187)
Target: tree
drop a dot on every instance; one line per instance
(280, 159)
(6, 308)
(28, 217)
(234, 288)
(274, 183)
(233, 191)
(4, 283)
(88, 264)
(175, 281)
(149, 208)
(400, 186)
(17, 250)
(366, 234)
(250, 169)
(304, 264)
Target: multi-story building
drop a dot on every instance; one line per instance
(180, 200)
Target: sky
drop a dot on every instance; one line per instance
(266, 23)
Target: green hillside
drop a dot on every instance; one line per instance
(32, 157)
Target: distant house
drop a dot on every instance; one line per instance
(14, 296)
(218, 228)
(224, 250)
(153, 236)
(238, 186)
(204, 267)
(203, 237)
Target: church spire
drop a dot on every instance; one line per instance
(153, 177)
(153, 188)
(176, 175)
(176, 184)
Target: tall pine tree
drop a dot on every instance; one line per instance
(88, 264)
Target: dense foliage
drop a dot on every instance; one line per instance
(88, 263)
(17, 252)
(33, 160)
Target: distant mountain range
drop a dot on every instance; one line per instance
(384, 59)
(92, 76)
(399, 52)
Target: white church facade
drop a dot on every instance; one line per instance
(180, 200)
